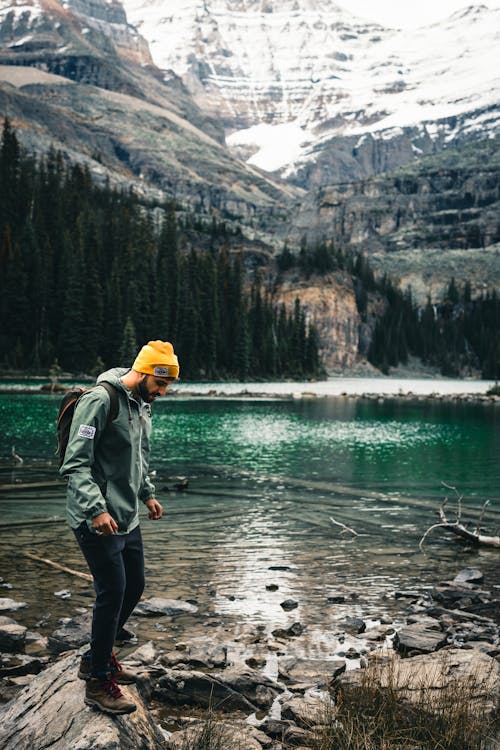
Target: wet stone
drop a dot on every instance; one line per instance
(272, 587)
(71, 634)
(159, 606)
(289, 604)
(260, 690)
(469, 575)
(12, 635)
(11, 605)
(310, 671)
(292, 632)
(353, 625)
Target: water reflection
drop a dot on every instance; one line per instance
(266, 478)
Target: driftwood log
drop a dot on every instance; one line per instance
(460, 528)
(50, 713)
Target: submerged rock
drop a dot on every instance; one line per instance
(10, 605)
(159, 606)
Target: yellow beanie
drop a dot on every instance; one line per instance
(157, 358)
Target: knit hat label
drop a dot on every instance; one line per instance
(161, 372)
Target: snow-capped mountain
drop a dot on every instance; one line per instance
(308, 89)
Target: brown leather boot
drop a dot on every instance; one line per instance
(107, 696)
(121, 675)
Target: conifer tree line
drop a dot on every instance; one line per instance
(457, 335)
(88, 274)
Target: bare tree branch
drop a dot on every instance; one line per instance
(459, 528)
(344, 527)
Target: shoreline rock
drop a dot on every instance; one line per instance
(276, 698)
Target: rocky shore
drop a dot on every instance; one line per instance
(265, 687)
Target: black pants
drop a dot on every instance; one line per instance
(117, 565)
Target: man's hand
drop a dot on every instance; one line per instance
(154, 507)
(104, 524)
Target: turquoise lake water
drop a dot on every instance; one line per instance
(266, 476)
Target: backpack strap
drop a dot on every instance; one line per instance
(113, 401)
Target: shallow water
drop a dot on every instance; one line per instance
(265, 479)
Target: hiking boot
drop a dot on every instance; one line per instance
(125, 636)
(107, 696)
(122, 676)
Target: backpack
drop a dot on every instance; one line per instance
(67, 409)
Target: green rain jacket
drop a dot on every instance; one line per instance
(107, 465)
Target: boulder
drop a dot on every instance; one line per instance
(191, 688)
(71, 634)
(260, 690)
(159, 606)
(50, 712)
(12, 635)
(417, 639)
(310, 671)
(196, 653)
(314, 707)
(457, 669)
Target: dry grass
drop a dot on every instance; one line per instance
(369, 716)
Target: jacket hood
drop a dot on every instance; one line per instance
(113, 376)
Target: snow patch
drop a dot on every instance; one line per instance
(277, 145)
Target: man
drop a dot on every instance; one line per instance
(106, 463)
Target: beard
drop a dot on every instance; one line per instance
(144, 392)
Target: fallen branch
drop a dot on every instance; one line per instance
(344, 527)
(458, 528)
(77, 573)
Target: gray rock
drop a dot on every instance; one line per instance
(50, 712)
(415, 639)
(20, 664)
(63, 594)
(260, 690)
(196, 653)
(469, 575)
(353, 625)
(292, 632)
(309, 709)
(458, 669)
(289, 604)
(10, 605)
(12, 635)
(145, 655)
(71, 634)
(159, 606)
(310, 671)
(188, 687)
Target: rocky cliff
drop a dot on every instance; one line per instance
(78, 77)
(329, 304)
(448, 201)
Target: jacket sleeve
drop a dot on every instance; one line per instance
(147, 489)
(89, 420)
